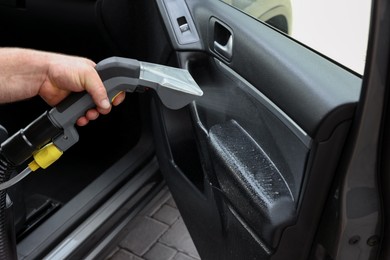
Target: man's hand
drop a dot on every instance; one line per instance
(26, 73)
(67, 74)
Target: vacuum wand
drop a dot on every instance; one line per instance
(175, 87)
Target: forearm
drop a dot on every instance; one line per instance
(22, 72)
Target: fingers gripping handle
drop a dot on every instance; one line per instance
(118, 74)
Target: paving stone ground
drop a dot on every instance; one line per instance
(157, 233)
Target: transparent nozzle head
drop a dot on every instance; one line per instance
(175, 87)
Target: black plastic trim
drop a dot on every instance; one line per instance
(251, 181)
(171, 11)
(88, 233)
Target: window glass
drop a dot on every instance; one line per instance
(336, 28)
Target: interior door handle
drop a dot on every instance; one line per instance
(225, 50)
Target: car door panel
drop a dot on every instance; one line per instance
(267, 134)
(239, 129)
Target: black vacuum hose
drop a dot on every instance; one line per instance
(7, 236)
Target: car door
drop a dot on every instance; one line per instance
(278, 156)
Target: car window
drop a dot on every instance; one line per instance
(336, 28)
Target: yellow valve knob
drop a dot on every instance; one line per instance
(45, 157)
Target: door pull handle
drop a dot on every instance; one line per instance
(225, 50)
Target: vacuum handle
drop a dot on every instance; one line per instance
(114, 72)
(118, 74)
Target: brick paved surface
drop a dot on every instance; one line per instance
(157, 233)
